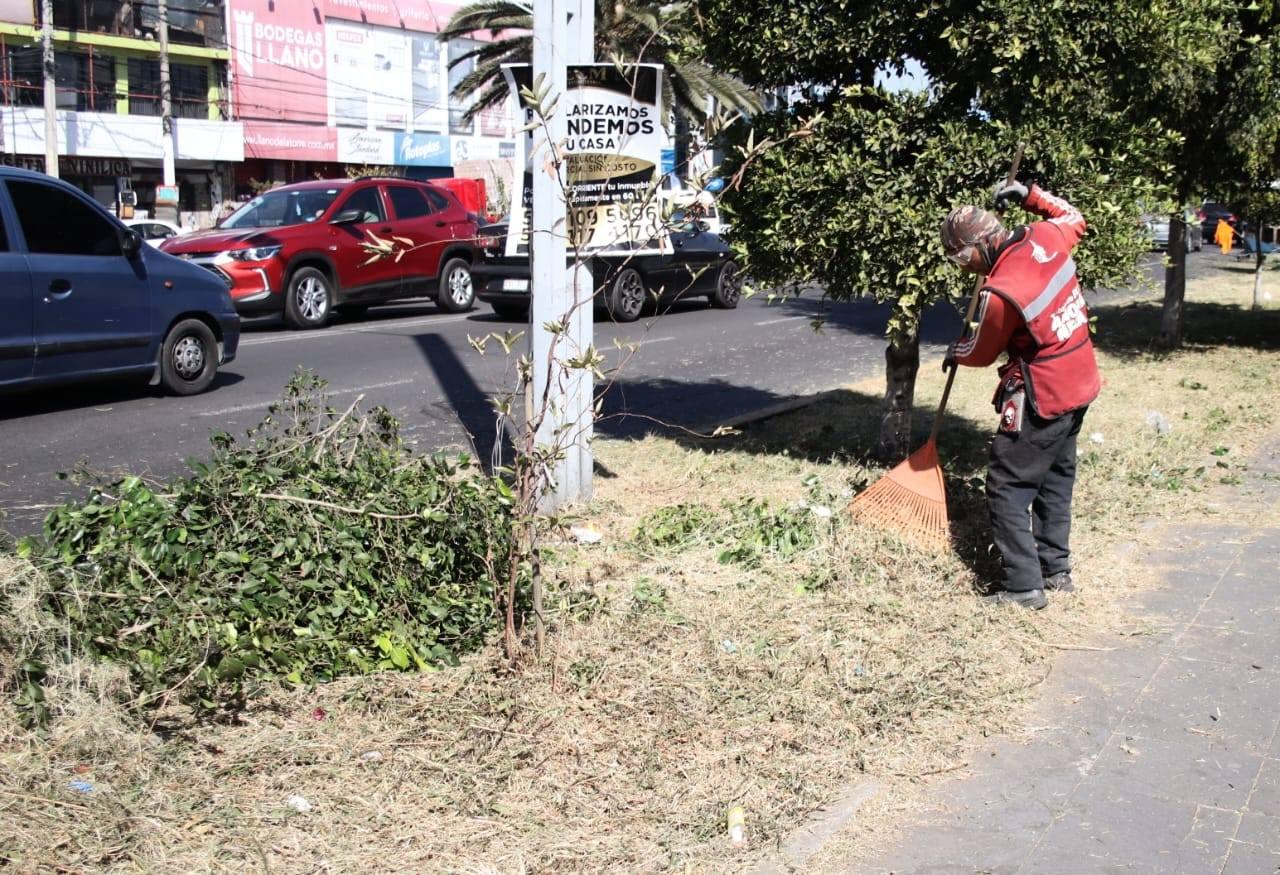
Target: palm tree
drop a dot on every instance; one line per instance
(629, 31)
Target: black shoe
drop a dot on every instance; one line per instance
(1032, 598)
(1060, 582)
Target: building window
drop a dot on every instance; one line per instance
(188, 84)
(194, 22)
(144, 87)
(86, 81)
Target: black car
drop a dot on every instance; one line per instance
(696, 264)
(1209, 214)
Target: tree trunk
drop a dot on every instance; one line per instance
(1257, 267)
(902, 363)
(1175, 285)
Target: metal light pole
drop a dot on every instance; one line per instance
(555, 291)
(166, 107)
(50, 89)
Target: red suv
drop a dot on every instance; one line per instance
(308, 249)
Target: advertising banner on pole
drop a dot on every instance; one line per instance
(613, 118)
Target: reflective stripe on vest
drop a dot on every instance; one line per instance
(1065, 274)
(1061, 371)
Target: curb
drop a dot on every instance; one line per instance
(807, 840)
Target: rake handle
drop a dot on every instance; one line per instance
(968, 316)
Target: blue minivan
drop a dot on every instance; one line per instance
(81, 296)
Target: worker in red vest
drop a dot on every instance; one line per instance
(1031, 308)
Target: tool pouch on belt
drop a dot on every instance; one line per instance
(1010, 399)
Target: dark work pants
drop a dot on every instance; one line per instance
(1029, 485)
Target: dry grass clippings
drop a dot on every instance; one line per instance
(683, 678)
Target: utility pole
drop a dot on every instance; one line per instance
(50, 89)
(563, 33)
(166, 117)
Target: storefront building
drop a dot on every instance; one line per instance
(108, 100)
(263, 92)
(365, 87)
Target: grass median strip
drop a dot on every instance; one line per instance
(732, 641)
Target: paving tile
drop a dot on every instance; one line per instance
(1176, 604)
(1187, 556)
(955, 852)
(1256, 850)
(1088, 694)
(1266, 795)
(1232, 646)
(1118, 830)
(1242, 608)
(1247, 603)
(1206, 846)
(1263, 553)
(1232, 704)
(1190, 769)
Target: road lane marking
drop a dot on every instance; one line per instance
(783, 319)
(639, 344)
(360, 329)
(241, 408)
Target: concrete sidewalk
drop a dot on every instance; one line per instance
(1162, 757)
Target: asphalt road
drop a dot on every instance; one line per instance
(695, 366)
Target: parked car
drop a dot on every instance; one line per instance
(1209, 214)
(686, 205)
(82, 296)
(304, 250)
(154, 231)
(1157, 228)
(696, 263)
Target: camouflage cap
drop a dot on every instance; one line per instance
(966, 225)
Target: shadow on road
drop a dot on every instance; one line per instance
(941, 322)
(375, 314)
(470, 403)
(34, 402)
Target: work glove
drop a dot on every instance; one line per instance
(1010, 192)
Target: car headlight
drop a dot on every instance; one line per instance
(254, 253)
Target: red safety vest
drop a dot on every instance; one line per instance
(1038, 276)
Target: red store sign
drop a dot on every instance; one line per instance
(287, 142)
(278, 54)
(414, 15)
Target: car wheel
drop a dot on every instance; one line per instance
(188, 358)
(728, 287)
(457, 291)
(511, 309)
(626, 295)
(309, 301)
(353, 312)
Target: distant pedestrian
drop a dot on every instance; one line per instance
(1031, 308)
(1224, 236)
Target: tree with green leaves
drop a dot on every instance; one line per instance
(855, 208)
(1227, 126)
(1249, 116)
(631, 31)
